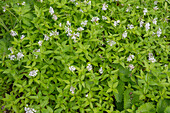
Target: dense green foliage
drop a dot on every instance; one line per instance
(84, 56)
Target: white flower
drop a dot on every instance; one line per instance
(68, 23)
(116, 23)
(137, 7)
(22, 36)
(40, 42)
(156, 8)
(111, 42)
(46, 37)
(33, 73)
(101, 70)
(145, 11)
(124, 34)
(10, 49)
(4, 9)
(95, 19)
(130, 58)
(29, 110)
(23, 3)
(54, 17)
(73, 37)
(159, 32)
(72, 89)
(130, 26)
(72, 0)
(131, 67)
(72, 68)
(89, 67)
(19, 55)
(80, 29)
(36, 50)
(155, 2)
(84, 23)
(41, 1)
(141, 23)
(81, 10)
(151, 58)
(147, 26)
(54, 33)
(104, 18)
(127, 10)
(86, 95)
(105, 6)
(60, 24)
(77, 3)
(12, 57)
(89, 3)
(13, 33)
(51, 10)
(154, 21)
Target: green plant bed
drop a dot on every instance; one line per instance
(101, 56)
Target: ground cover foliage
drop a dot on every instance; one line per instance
(101, 56)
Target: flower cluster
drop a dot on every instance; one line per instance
(33, 73)
(151, 58)
(72, 68)
(29, 110)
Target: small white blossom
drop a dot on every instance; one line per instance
(111, 42)
(145, 11)
(68, 23)
(12, 57)
(84, 23)
(154, 21)
(95, 19)
(156, 8)
(131, 67)
(72, 89)
(127, 10)
(101, 70)
(159, 32)
(130, 26)
(155, 2)
(54, 33)
(116, 23)
(41, 1)
(151, 58)
(124, 34)
(147, 26)
(60, 24)
(72, 0)
(89, 67)
(51, 10)
(80, 29)
(89, 3)
(23, 3)
(40, 42)
(130, 58)
(141, 23)
(33, 73)
(81, 10)
(77, 3)
(4, 9)
(105, 6)
(29, 110)
(19, 55)
(13, 33)
(36, 50)
(22, 36)
(72, 68)
(104, 18)
(137, 7)
(46, 37)
(86, 95)
(10, 49)
(54, 17)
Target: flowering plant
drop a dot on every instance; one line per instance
(84, 56)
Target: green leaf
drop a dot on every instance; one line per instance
(146, 108)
